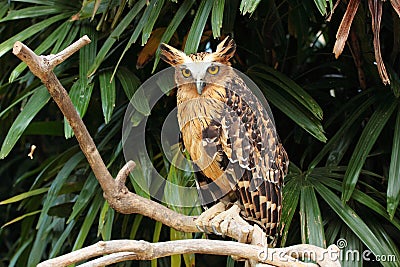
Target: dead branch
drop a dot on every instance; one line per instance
(120, 250)
(123, 201)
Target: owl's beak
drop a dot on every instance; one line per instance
(200, 83)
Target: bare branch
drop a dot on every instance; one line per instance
(142, 250)
(42, 67)
(60, 57)
(27, 55)
(123, 174)
(110, 259)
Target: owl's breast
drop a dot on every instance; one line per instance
(195, 115)
(203, 108)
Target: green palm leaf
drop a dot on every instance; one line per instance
(25, 34)
(353, 221)
(312, 230)
(216, 17)
(367, 139)
(248, 6)
(173, 25)
(34, 105)
(108, 94)
(290, 107)
(197, 28)
(393, 188)
(114, 36)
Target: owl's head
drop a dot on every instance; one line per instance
(198, 70)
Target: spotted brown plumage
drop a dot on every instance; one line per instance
(229, 134)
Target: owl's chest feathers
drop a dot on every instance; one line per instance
(195, 113)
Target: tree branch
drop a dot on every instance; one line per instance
(42, 67)
(123, 201)
(120, 250)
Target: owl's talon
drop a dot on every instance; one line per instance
(207, 216)
(199, 228)
(203, 229)
(222, 220)
(216, 231)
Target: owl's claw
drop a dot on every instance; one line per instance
(202, 229)
(205, 230)
(217, 218)
(199, 228)
(203, 222)
(215, 231)
(220, 223)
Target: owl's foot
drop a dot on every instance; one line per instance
(218, 220)
(203, 222)
(220, 223)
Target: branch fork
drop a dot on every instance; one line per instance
(126, 202)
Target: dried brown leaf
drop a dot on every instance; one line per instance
(150, 48)
(396, 6)
(344, 28)
(355, 51)
(375, 7)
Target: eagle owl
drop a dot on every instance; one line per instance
(229, 135)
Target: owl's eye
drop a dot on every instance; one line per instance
(186, 73)
(213, 70)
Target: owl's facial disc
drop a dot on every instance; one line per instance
(198, 72)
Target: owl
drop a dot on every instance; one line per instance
(229, 134)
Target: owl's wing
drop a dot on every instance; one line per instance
(246, 135)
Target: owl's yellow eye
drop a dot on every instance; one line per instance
(186, 73)
(213, 70)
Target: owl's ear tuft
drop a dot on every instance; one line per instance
(171, 55)
(226, 49)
